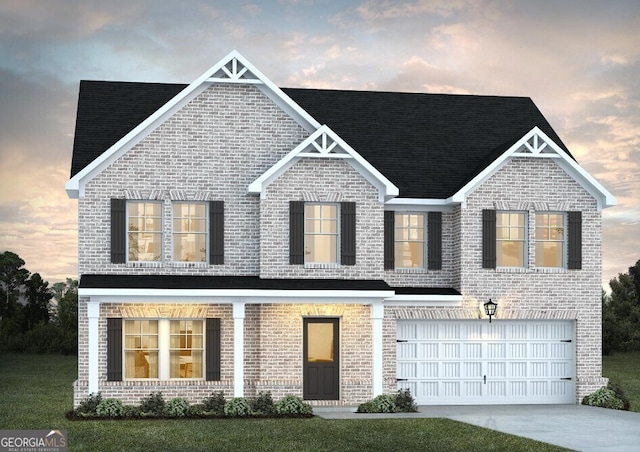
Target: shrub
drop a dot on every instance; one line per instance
(603, 398)
(367, 407)
(237, 407)
(110, 408)
(404, 401)
(214, 404)
(177, 407)
(88, 406)
(293, 405)
(152, 405)
(620, 394)
(263, 404)
(384, 403)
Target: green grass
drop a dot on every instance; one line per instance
(36, 391)
(624, 369)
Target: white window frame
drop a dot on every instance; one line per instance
(164, 350)
(525, 240)
(174, 233)
(424, 242)
(307, 254)
(146, 217)
(563, 263)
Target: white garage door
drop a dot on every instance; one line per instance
(473, 362)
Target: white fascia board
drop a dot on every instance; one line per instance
(424, 300)
(601, 194)
(250, 296)
(419, 205)
(386, 188)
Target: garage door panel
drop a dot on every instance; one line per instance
(475, 362)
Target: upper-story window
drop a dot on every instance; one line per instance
(409, 244)
(556, 238)
(511, 236)
(144, 231)
(550, 239)
(190, 232)
(321, 233)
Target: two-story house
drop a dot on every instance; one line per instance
(240, 237)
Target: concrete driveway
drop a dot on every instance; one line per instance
(576, 427)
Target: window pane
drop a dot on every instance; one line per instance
(549, 254)
(510, 254)
(320, 342)
(186, 349)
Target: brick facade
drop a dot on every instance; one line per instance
(227, 137)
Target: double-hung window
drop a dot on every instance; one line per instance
(511, 236)
(321, 233)
(555, 239)
(164, 348)
(144, 231)
(190, 232)
(141, 349)
(409, 240)
(550, 239)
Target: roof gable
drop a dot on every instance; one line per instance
(234, 68)
(324, 143)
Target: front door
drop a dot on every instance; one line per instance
(321, 366)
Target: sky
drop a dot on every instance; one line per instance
(578, 60)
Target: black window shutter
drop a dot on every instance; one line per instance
(488, 239)
(434, 240)
(575, 240)
(296, 232)
(216, 232)
(213, 350)
(348, 233)
(114, 349)
(389, 238)
(118, 230)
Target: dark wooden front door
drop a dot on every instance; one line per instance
(321, 366)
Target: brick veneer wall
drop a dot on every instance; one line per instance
(539, 185)
(211, 149)
(321, 180)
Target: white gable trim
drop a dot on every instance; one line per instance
(536, 144)
(325, 143)
(233, 68)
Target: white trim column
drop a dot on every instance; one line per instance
(93, 314)
(238, 349)
(377, 314)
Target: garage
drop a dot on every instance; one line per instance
(474, 362)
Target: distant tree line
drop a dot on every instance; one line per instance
(621, 313)
(36, 318)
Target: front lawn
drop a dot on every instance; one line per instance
(36, 391)
(624, 369)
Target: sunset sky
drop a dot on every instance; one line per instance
(578, 60)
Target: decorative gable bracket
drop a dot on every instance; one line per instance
(325, 143)
(234, 71)
(536, 145)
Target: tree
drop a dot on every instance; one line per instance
(621, 313)
(38, 296)
(12, 277)
(66, 296)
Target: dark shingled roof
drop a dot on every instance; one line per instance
(428, 145)
(92, 281)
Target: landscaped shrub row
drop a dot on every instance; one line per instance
(612, 397)
(154, 406)
(400, 402)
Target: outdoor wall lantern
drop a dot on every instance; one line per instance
(490, 308)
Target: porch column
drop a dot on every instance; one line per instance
(93, 314)
(238, 349)
(377, 314)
